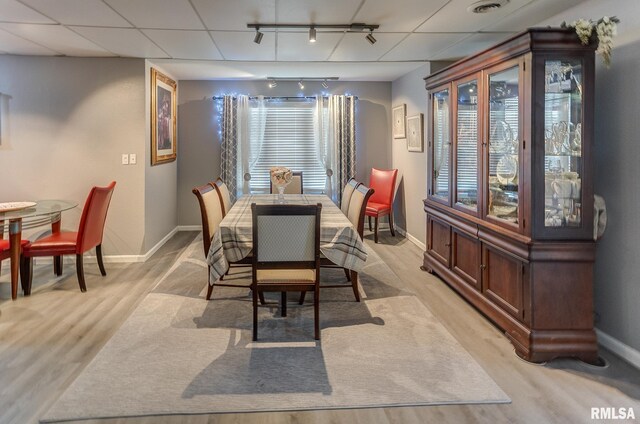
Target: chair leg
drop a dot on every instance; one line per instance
(100, 263)
(370, 229)
(316, 311)
(261, 297)
(209, 291)
(347, 273)
(354, 285)
(375, 235)
(283, 304)
(80, 271)
(302, 296)
(26, 275)
(254, 292)
(393, 233)
(57, 265)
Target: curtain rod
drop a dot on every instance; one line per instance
(278, 97)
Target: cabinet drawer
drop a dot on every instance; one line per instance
(466, 258)
(502, 280)
(439, 240)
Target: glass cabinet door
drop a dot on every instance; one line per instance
(441, 145)
(563, 143)
(503, 137)
(467, 145)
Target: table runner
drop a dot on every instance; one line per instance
(339, 239)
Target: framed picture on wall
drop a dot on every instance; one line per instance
(163, 118)
(415, 133)
(398, 115)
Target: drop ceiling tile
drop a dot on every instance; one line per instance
(15, 45)
(355, 47)
(226, 15)
(13, 11)
(532, 14)
(396, 16)
(471, 45)
(122, 41)
(295, 46)
(58, 38)
(423, 46)
(317, 12)
(160, 14)
(79, 12)
(181, 44)
(455, 18)
(239, 45)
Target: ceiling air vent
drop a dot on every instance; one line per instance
(486, 6)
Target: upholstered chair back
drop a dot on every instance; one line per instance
(358, 205)
(211, 206)
(346, 195)
(224, 194)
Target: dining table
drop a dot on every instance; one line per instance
(31, 215)
(339, 238)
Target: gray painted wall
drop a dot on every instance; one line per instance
(412, 166)
(199, 145)
(69, 121)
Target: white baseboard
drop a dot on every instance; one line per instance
(411, 238)
(624, 351)
(189, 227)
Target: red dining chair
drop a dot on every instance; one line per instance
(383, 182)
(88, 236)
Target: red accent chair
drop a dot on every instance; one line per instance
(88, 236)
(383, 182)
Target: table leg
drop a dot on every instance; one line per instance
(15, 236)
(57, 260)
(354, 285)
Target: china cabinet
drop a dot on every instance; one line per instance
(509, 206)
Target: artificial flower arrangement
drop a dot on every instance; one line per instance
(605, 30)
(281, 176)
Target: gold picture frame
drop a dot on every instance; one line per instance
(415, 136)
(163, 118)
(398, 120)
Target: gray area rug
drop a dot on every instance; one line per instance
(179, 354)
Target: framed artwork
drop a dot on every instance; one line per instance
(399, 113)
(415, 133)
(163, 118)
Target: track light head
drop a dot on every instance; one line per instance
(324, 84)
(370, 38)
(312, 35)
(273, 84)
(301, 85)
(258, 38)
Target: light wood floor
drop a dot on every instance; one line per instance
(47, 339)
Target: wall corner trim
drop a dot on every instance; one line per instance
(624, 351)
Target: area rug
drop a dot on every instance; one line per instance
(179, 354)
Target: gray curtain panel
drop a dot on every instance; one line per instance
(229, 151)
(344, 115)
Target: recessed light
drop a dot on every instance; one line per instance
(486, 6)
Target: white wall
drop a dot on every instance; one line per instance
(412, 166)
(199, 141)
(67, 124)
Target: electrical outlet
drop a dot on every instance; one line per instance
(133, 159)
(125, 159)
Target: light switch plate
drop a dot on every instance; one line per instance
(133, 159)
(125, 159)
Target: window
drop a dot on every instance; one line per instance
(289, 139)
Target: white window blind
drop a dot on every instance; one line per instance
(289, 140)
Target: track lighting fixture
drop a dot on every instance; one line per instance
(301, 85)
(273, 84)
(324, 84)
(258, 38)
(272, 81)
(312, 35)
(370, 38)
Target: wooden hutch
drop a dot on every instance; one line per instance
(509, 207)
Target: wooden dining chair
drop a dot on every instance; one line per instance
(383, 181)
(347, 191)
(355, 213)
(211, 201)
(294, 187)
(89, 235)
(286, 254)
(225, 196)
